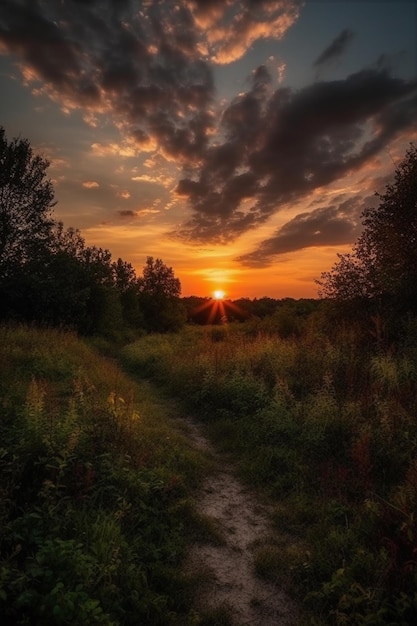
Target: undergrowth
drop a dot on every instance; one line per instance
(95, 490)
(327, 428)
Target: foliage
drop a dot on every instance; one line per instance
(95, 490)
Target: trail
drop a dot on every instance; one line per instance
(244, 523)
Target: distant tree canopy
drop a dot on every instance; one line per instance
(381, 270)
(286, 317)
(49, 275)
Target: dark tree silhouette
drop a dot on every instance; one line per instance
(124, 276)
(26, 201)
(159, 297)
(158, 280)
(382, 267)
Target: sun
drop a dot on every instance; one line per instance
(218, 294)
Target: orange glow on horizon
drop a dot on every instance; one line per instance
(292, 275)
(219, 294)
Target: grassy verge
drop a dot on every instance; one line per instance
(95, 485)
(328, 429)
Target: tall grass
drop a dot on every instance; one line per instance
(327, 428)
(95, 488)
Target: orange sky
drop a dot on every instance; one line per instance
(202, 270)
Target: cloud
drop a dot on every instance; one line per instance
(161, 179)
(337, 224)
(232, 27)
(127, 213)
(278, 146)
(140, 213)
(114, 149)
(335, 49)
(144, 212)
(90, 184)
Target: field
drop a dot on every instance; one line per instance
(98, 485)
(324, 425)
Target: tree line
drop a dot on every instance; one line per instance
(48, 274)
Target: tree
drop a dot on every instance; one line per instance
(158, 280)
(26, 201)
(381, 270)
(127, 286)
(159, 293)
(124, 275)
(67, 240)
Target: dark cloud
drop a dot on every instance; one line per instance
(38, 42)
(127, 213)
(231, 27)
(336, 48)
(279, 146)
(138, 62)
(333, 225)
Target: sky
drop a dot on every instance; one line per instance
(238, 141)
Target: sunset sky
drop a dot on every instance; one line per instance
(238, 141)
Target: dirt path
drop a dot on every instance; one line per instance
(243, 523)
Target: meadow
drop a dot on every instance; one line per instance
(323, 424)
(98, 484)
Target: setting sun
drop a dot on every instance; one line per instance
(218, 294)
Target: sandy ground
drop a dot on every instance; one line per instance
(243, 523)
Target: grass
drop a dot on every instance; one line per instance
(97, 488)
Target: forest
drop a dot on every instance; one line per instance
(314, 400)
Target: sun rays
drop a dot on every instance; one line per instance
(217, 310)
